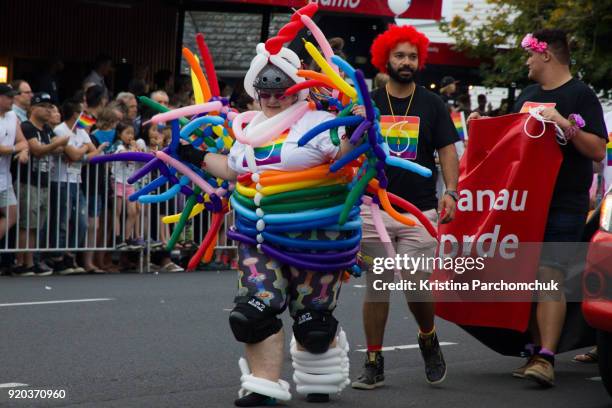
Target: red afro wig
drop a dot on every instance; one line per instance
(385, 42)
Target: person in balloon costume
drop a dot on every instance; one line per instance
(267, 286)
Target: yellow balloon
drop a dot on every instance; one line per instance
(218, 130)
(227, 141)
(245, 191)
(329, 71)
(197, 89)
(172, 219)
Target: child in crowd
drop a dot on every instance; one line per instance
(121, 171)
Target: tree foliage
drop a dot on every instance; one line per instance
(495, 37)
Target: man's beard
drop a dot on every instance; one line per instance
(397, 77)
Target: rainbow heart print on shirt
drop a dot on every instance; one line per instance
(609, 150)
(269, 153)
(401, 134)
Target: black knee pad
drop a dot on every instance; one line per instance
(314, 330)
(253, 321)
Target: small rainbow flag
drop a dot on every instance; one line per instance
(269, 153)
(459, 122)
(528, 105)
(401, 134)
(609, 150)
(85, 121)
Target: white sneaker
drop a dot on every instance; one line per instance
(171, 267)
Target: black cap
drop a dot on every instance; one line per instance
(40, 98)
(447, 80)
(7, 90)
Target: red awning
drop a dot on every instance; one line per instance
(420, 9)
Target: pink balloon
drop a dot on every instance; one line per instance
(186, 111)
(183, 169)
(271, 128)
(323, 43)
(381, 229)
(238, 124)
(321, 40)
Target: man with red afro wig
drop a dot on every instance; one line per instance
(415, 125)
(385, 42)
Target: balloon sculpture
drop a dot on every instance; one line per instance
(272, 205)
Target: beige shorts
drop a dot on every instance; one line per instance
(33, 214)
(412, 241)
(7, 198)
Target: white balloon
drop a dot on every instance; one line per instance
(399, 6)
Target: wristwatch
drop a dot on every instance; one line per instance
(453, 194)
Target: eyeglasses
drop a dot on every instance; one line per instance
(279, 96)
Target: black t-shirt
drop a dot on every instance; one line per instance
(576, 174)
(426, 127)
(37, 164)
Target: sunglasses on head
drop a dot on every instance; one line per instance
(280, 95)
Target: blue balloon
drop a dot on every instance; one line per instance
(350, 71)
(308, 215)
(176, 132)
(152, 186)
(190, 127)
(408, 165)
(315, 131)
(165, 196)
(349, 157)
(322, 244)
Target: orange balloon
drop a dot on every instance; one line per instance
(386, 205)
(195, 66)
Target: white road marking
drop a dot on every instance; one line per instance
(594, 379)
(407, 346)
(12, 385)
(52, 302)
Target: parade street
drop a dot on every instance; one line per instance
(163, 340)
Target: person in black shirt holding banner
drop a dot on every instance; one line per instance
(574, 107)
(415, 124)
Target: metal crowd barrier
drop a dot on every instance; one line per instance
(96, 193)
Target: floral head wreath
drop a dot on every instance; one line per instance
(531, 43)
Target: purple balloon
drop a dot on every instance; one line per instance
(127, 156)
(313, 266)
(367, 102)
(330, 257)
(144, 170)
(359, 131)
(279, 256)
(379, 152)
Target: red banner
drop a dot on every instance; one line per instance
(505, 186)
(419, 9)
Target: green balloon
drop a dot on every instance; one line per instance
(302, 194)
(355, 193)
(314, 203)
(180, 225)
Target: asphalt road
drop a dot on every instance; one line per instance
(164, 341)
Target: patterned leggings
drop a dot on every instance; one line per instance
(279, 285)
